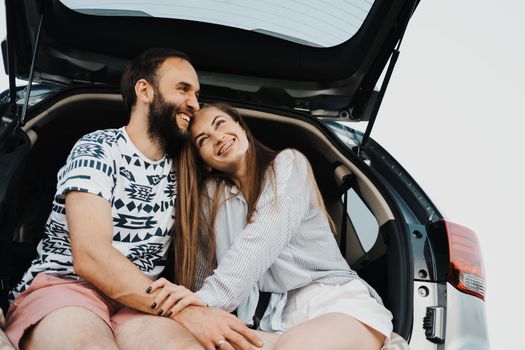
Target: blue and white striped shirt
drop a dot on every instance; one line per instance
(288, 245)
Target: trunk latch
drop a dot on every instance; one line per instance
(434, 324)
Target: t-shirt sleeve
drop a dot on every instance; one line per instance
(89, 168)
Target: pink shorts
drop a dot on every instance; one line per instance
(48, 293)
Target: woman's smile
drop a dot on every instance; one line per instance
(225, 147)
(220, 140)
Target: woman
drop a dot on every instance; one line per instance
(264, 220)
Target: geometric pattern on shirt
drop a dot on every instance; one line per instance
(146, 256)
(141, 207)
(56, 240)
(57, 208)
(167, 204)
(103, 136)
(172, 177)
(155, 165)
(171, 189)
(137, 161)
(131, 238)
(155, 179)
(87, 150)
(134, 222)
(140, 192)
(127, 158)
(85, 163)
(127, 174)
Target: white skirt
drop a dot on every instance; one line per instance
(352, 298)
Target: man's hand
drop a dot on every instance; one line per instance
(217, 329)
(172, 298)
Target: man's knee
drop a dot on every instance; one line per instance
(154, 332)
(69, 327)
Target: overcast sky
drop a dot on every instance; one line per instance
(454, 116)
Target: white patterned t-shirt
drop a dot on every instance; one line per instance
(141, 193)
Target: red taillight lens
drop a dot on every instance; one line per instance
(466, 271)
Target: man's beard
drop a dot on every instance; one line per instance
(162, 125)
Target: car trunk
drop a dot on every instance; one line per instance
(57, 126)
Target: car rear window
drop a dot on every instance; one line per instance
(312, 23)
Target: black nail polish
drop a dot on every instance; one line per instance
(148, 290)
(153, 305)
(160, 312)
(169, 313)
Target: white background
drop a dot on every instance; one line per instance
(454, 116)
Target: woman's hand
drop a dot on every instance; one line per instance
(172, 298)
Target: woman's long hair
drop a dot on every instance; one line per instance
(194, 231)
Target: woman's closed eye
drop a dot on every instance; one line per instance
(202, 140)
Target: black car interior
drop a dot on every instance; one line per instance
(53, 132)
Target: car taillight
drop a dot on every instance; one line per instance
(466, 270)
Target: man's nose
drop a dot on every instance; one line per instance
(193, 103)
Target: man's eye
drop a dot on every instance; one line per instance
(220, 121)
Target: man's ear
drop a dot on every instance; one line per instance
(144, 91)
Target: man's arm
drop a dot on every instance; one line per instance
(94, 258)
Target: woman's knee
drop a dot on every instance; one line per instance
(332, 331)
(289, 341)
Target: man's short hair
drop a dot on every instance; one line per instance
(144, 67)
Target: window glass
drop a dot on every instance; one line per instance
(363, 220)
(312, 23)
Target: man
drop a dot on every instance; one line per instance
(109, 231)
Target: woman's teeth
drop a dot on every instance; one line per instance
(225, 147)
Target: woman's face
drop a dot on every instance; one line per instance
(219, 139)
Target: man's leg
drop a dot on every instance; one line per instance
(59, 313)
(144, 331)
(71, 328)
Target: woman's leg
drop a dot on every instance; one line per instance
(268, 338)
(331, 331)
